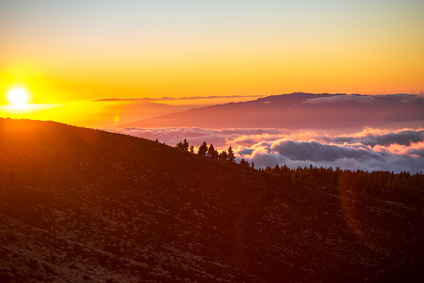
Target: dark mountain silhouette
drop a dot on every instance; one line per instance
(298, 111)
(102, 113)
(79, 205)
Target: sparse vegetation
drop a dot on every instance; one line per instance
(82, 205)
(401, 187)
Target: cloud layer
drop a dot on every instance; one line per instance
(371, 149)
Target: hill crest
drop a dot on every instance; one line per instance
(85, 205)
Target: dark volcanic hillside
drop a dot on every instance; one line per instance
(79, 205)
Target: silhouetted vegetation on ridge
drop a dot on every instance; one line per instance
(403, 186)
(210, 151)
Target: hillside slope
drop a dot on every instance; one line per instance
(298, 111)
(79, 205)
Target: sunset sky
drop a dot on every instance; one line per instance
(81, 50)
(68, 56)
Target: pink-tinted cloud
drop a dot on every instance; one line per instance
(374, 137)
(369, 149)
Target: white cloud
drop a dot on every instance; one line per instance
(342, 98)
(345, 98)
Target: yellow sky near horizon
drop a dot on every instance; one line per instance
(84, 50)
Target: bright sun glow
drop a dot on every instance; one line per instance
(18, 97)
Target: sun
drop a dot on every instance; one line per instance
(18, 97)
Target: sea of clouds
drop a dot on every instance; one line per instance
(370, 149)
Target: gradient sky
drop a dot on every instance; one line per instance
(89, 49)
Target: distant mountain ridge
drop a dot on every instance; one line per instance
(298, 111)
(80, 205)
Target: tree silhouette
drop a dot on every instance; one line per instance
(223, 155)
(244, 163)
(192, 149)
(180, 145)
(185, 145)
(231, 156)
(203, 149)
(212, 153)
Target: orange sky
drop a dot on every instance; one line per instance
(83, 50)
